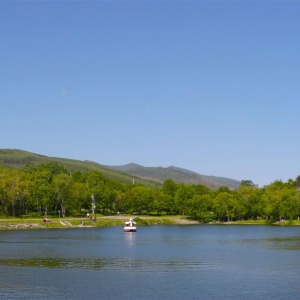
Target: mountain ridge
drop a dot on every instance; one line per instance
(17, 159)
(179, 175)
(149, 176)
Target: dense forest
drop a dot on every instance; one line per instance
(50, 189)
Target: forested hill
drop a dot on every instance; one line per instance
(148, 176)
(179, 175)
(17, 159)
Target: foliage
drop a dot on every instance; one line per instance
(20, 159)
(50, 188)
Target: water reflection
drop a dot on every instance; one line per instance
(283, 243)
(130, 238)
(112, 264)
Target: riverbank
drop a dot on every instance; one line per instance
(102, 221)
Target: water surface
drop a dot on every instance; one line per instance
(156, 262)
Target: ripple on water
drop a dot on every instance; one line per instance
(19, 290)
(113, 264)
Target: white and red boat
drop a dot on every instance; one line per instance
(130, 226)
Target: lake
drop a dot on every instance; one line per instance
(156, 262)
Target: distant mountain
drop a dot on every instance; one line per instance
(17, 159)
(148, 176)
(179, 175)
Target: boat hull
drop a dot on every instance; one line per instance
(129, 229)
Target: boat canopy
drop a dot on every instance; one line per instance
(128, 223)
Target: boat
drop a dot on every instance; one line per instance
(130, 226)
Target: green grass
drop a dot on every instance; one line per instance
(38, 223)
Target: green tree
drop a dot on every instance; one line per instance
(280, 201)
(288, 208)
(199, 207)
(225, 206)
(63, 192)
(13, 191)
(141, 199)
(247, 183)
(249, 199)
(183, 197)
(161, 202)
(297, 182)
(201, 189)
(169, 187)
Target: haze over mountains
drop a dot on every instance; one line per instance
(149, 176)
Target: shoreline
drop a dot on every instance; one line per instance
(118, 220)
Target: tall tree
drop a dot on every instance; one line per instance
(225, 206)
(184, 195)
(63, 186)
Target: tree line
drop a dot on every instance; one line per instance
(51, 189)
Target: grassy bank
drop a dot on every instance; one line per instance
(102, 221)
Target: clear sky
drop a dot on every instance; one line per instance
(209, 86)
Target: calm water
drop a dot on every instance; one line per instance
(157, 262)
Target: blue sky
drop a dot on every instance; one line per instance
(212, 87)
